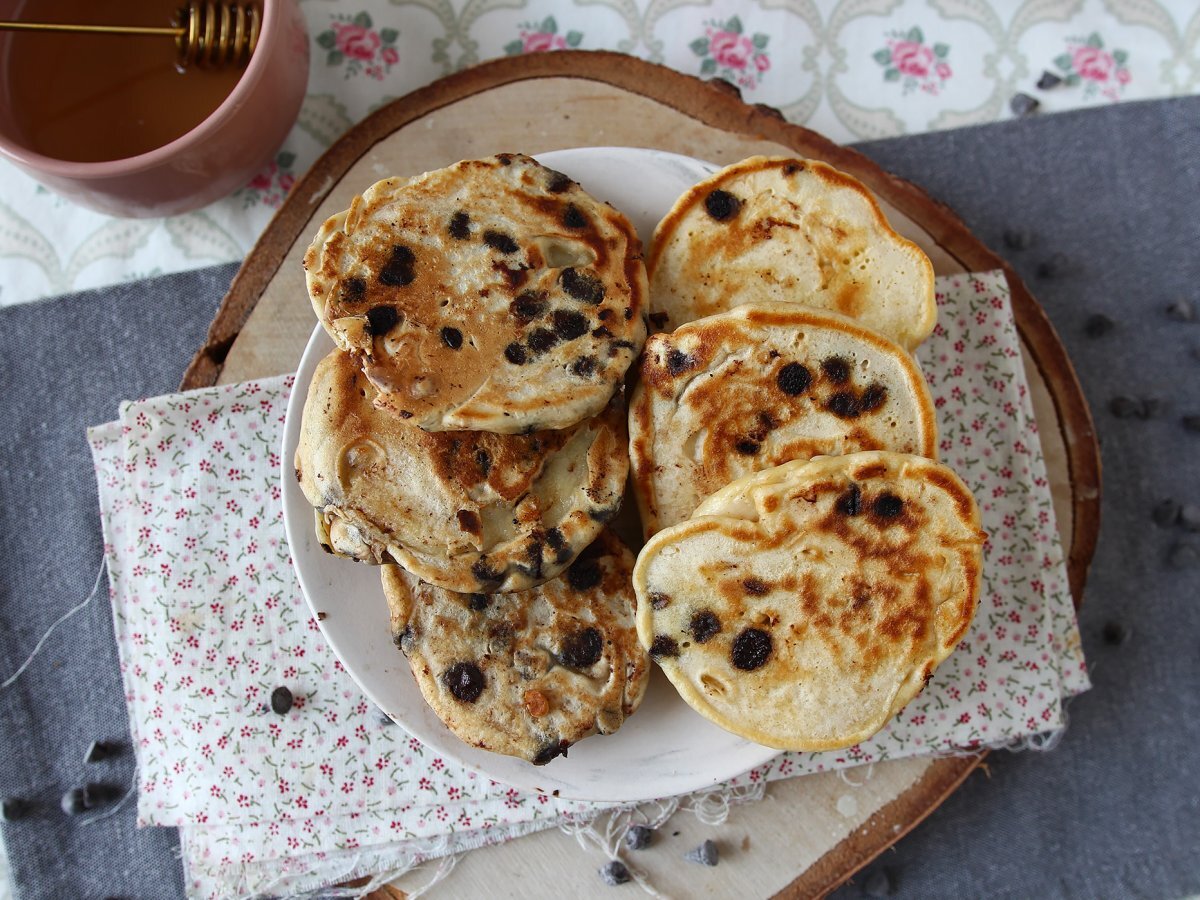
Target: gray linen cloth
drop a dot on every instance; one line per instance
(1111, 198)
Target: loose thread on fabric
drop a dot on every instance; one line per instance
(116, 808)
(844, 775)
(49, 631)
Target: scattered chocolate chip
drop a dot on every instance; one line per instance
(569, 324)
(638, 837)
(746, 447)
(706, 854)
(498, 240)
(464, 681)
(558, 182)
(844, 405)
(678, 361)
(663, 646)
(381, 320)
(1124, 407)
(1098, 326)
(659, 600)
(756, 587)
(74, 801)
(873, 397)
(551, 751)
(505, 159)
(404, 640)
(452, 338)
(751, 649)
(722, 205)
(542, 339)
(793, 379)
(485, 573)
(659, 320)
(1191, 423)
(584, 367)
(459, 223)
(1048, 80)
(353, 290)
(483, 461)
(584, 575)
(468, 521)
(281, 701)
(704, 625)
(1055, 266)
(1023, 105)
(1018, 238)
(602, 331)
(1184, 556)
(528, 305)
(582, 649)
(850, 503)
(479, 602)
(1114, 633)
(582, 287)
(557, 543)
(101, 750)
(1189, 517)
(878, 884)
(573, 218)
(13, 808)
(400, 268)
(1181, 311)
(515, 354)
(836, 369)
(1166, 513)
(887, 506)
(614, 873)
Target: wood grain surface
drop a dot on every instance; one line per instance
(813, 832)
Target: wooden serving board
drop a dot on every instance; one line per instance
(812, 833)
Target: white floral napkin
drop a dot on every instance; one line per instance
(210, 620)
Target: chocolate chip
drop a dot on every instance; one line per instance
(1114, 633)
(479, 602)
(746, 447)
(1189, 517)
(1098, 326)
(557, 543)
(659, 600)
(542, 339)
(584, 367)
(404, 640)
(1181, 311)
(551, 751)
(1184, 556)
(468, 521)
(878, 884)
(584, 574)
(400, 269)
(614, 873)
(678, 361)
(101, 750)
(464, 681)
(873, 397)
(13, 808)
(582, 649)
(452, 337)
(353, 290)
(659, 319)
(1124, 407)
(663, 646)
(381, 320)
(483, 461)
(850, 503)
(1018, 238)
(505, 159)
(515, 354)
(836, 369)
(793, 379)
(756, 587)
(528, 305)
(573, 218)
(844, 405)
(706, 854)
(751, 649)
(498, 240)
(722, 205)
(1023, 105)
(569, 324)
(887, 506)
(459, 223)
(74, 801)
(281, 701)
(558, 182)
(1055, 266)
(1048, 80)
(704, 625)
(485, 573)
(1166, 513)
(582, 287)
(638, 837)
(602, 332)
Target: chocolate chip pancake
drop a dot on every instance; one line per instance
(492, 295)
(792, 230)
(801, 607)
(760, 385)
(527, 674)
(465, 510)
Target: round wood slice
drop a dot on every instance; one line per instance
(818, 830)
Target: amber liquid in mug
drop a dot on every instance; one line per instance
(100, 97)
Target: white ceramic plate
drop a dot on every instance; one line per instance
(666, 747)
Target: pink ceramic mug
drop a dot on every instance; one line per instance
(216, 157)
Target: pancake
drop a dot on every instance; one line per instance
(527, 674)
(789, 230)
(761, 385)
(467, 511)
(492, 295)
(803, 606)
